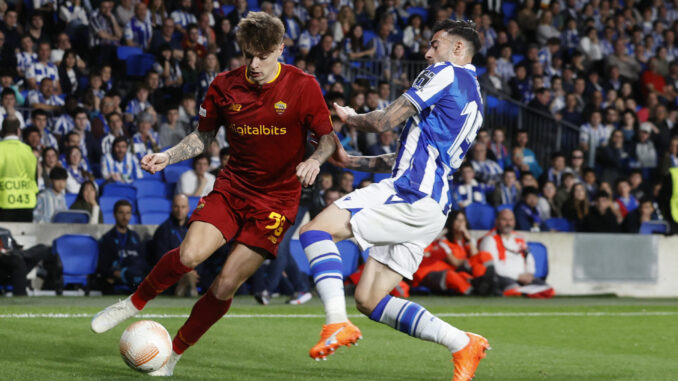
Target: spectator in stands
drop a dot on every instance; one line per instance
(169, 235)
(188, 115)
(194, 42)
(173, 130)
(505, 67)
(42, 68)
(88, 200)
(122, 258)
(487, 171)
(120, 165)
(556, 170)
(629, 68)
(145, 141)
(31, 136)
(644, 213)
(590, 46)
(183, 16)
(8, 109)
(51, 200)
(563, 191)
(124, 12)
(170, 71)
(513, 263)
(77, 175)
(576, 208)
(603, 217)
(26, 56)
(625, 201)
(165, 36)
(520, 83)
(309, 38)
(613, 158)
(44, 98)
(469, 190)
(496, 148)
(116, 130)
(526, 213)
(547, 206)
(493, 80)
(198, 181)
(508, 191)
(670, 159)
(11, 29)
(517, 163)
(139, 29)
(16, 263)
(593, 136)
(644, 151)
(453, 262)
(139, 104)
(386, 144)
(346, 180)
(207, 75)
(529, 157)
(69, 73)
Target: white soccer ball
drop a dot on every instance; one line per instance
(145, 346)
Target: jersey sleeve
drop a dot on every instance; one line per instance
(314, 112)
(430, 85)
(209, 116)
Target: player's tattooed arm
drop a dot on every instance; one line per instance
(379, 164)
(324, 149)
(379, 120)
(191, 146)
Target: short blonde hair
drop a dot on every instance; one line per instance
(259, 33)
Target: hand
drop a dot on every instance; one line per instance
(154, 162)
(343, 112)
(339, 158)
(307, 171)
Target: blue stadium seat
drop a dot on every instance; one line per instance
(651, 227)
(359, 176)
(72, 217)
(70, 199)
(421, 11)
(124, 52)
(192, 203)
(150, 188)
(108, 202)
(117, 189)
(480, 216)
(299, 256)
(79, 255)
(559, 224)
(368, 35)
(516, 58)
(156, 176)
(504, 206)
(508, 9)
(137, 65)
(154, 204)
(377, 177)
(154, 218)
(541, 259)
(174, 172)
(492, 102)
(349, 252)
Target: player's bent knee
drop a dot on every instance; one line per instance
(189, 257)
(364, 304)
(224, 288)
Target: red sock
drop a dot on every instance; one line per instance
(166, 272)
(206, 311)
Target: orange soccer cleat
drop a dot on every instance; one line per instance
(466, 360)
(332, 337)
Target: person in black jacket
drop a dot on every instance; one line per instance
(15, 263)
(601, 218)
(122, 256)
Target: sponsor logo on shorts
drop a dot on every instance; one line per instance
(235, 107)
(280, 107)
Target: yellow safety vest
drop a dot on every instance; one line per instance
(18, 187)
(673, 204)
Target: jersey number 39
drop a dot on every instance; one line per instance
(467, 134)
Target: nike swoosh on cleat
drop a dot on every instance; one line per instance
(333, 338)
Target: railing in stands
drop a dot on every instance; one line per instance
(547, 134)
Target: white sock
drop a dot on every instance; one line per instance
(414, 320)
(326, 268)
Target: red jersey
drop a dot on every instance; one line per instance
(266, 128)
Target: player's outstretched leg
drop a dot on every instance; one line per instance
(206, 311)
(408, 317)
(326, 269)
(166, 272)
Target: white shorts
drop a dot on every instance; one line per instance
(396, 232)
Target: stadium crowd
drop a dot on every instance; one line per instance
(72, 90)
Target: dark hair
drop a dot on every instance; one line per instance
(601, 194)
(68, 154)
(464, 29)
(47, 149)
(10, 126)
(81, 193)
(259, 33)
(27, 131)
(119, 204)
(200, 157)
(118, 140)
(58, 173)
(38, 112)
(450, 221)
(224, 151)
(7, 91)
(528, 191)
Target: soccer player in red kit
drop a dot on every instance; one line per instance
(267, 109)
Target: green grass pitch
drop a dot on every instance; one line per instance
(560, 339)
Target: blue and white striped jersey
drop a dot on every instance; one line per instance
(129, 168)
(139, 32)
(435, 141)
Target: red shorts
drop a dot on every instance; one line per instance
(241, 220)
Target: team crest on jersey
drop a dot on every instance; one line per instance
(200, 206)
(280, 107)
(235, 107)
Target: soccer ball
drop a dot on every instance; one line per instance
(145, 346)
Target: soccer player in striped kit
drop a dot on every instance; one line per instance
(399, 216)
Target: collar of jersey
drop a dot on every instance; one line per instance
(271, 81)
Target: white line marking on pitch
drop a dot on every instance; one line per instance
(305, 316)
